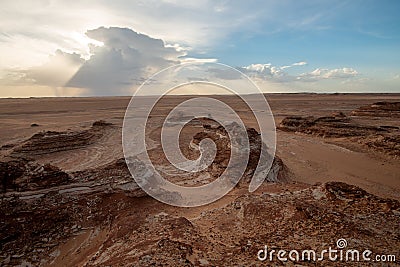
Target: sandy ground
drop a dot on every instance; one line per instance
(115, 228)
(311, 159)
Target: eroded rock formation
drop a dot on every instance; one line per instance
(51, 141)
(379, 109)
(385, 138)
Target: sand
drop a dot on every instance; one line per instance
(96, 215)
(311, 159)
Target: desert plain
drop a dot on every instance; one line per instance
(68, 199)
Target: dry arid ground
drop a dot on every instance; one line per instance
(67, 198)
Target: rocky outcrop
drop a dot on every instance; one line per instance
(114, 177)
(329, 126)
(389, 144)
(23, 175)
(41, 205)
(51, 141)
(379, 109)
(309, 218)
(385, 139)
(100, 217)
(219, 135)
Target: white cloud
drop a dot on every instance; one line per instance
(258, 68)
(121, 59)
(263, 70)
(269, 68)
(341, 73)
(270, 72)
(124, 61)
(199, 60)
(38, 28)
(282, 74)
(301, 63)
(254, 71)
(320, 73)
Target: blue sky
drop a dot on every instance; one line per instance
(365, 34)
(54, 48)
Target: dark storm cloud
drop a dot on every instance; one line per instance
(125, 59)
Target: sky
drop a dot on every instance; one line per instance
(99, 48)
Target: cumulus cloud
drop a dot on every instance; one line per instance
(258, 68)
(125, 60)
(281, 74)
(263, 70)
(257, 71)
(319, 73)
(267, 71)
(37, 28)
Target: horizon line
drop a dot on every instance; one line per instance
(185, 95)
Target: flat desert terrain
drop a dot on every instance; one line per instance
(69, 200)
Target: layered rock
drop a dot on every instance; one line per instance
(52, 141)
(23, 175)
(310, 218)
(328, 126)
(278, 171)
(379, 109)
(377, 138)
